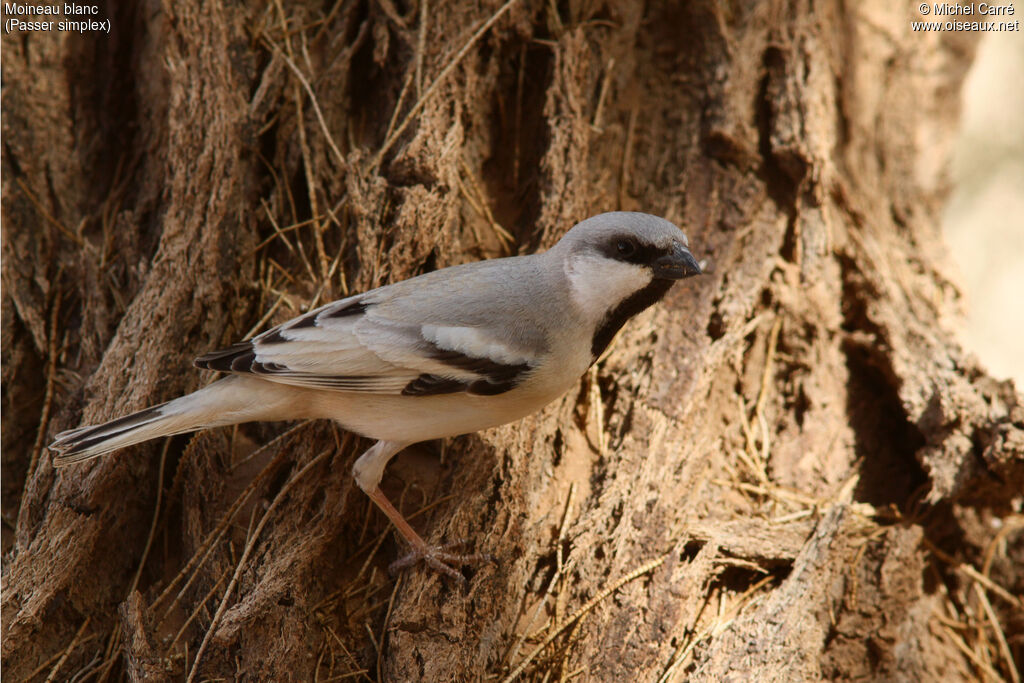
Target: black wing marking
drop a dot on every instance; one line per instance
(496, 378)
(241, 356)
(238, 357)
(490, 377)
(353, 308)
(432, 385)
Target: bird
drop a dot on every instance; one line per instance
(449, 352)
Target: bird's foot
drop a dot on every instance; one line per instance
(441, 559)
(437, 557)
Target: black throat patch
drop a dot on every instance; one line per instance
(630, 306)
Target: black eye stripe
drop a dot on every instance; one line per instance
(640, 253)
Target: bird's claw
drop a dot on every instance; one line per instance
(441, 559)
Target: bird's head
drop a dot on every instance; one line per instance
(612, 256)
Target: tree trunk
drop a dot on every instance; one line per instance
(788, 470)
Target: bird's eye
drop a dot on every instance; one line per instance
(626, 248)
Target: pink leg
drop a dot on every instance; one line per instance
(436, 557)
(368, 470)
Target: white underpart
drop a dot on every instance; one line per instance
(368, 470)
(599, 283)
(473, 342)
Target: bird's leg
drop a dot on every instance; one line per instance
(368, 470)
(437, 557)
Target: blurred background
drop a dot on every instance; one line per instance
(984, 221)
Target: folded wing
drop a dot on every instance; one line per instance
(352, 345)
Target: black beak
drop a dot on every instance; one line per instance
(676, 265)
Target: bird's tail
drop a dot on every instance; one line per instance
(231, 400)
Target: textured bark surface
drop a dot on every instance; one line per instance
(788, 470)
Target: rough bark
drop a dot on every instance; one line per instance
(816, 481)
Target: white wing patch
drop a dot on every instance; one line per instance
(473, 342)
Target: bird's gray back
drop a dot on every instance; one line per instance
(525, 292)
